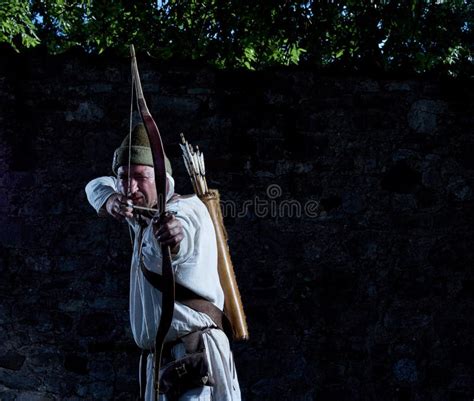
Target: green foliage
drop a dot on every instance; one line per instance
(16, 26)
(386, 35)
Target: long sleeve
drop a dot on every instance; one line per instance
(190, 232)
(99, 190)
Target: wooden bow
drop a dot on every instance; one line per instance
(158, 153)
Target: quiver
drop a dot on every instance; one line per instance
(233, 307)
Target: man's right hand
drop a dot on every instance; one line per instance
(117, 207)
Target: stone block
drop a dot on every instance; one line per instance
(85, 112)
(12, 360)
(34, 396)
(424, 115)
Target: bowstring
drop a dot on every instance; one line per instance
(129, 178)
(129, 182)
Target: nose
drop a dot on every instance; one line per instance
(133, 186)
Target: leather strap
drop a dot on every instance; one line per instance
(156, 280)
(192, 300)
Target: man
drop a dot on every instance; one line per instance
(189, 232)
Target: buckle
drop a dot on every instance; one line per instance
(181, 370)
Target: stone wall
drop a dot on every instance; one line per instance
(349, 209)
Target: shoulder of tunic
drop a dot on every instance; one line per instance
(188, 204)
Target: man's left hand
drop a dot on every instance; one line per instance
(169, 231)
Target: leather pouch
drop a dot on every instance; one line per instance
(183, 374)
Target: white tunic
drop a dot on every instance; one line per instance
(195, 267)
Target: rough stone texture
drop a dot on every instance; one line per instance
(370, 300)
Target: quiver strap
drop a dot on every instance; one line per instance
(192, 300)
